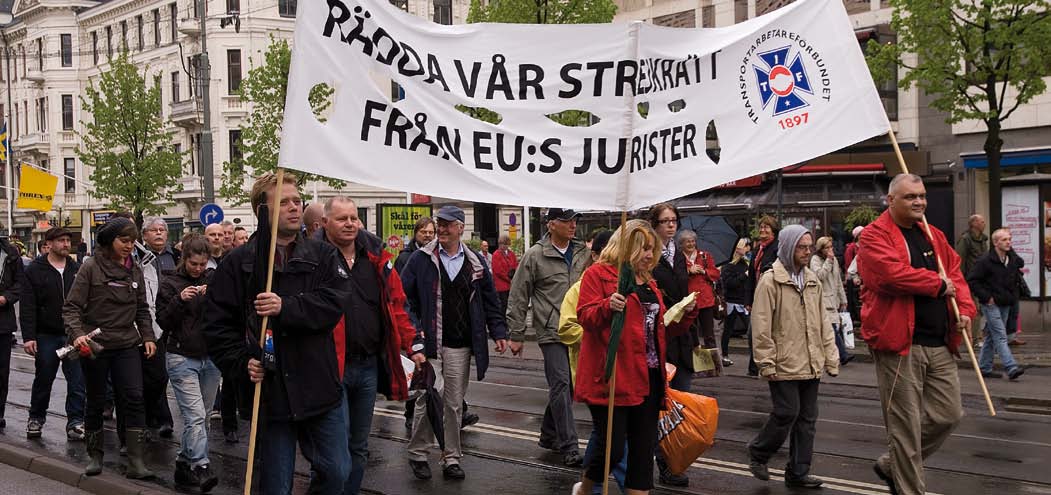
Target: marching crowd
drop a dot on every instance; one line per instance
(343, 314)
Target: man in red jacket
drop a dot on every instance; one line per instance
(913, 334)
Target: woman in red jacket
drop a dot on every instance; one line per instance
(639, 395)
(504, 265)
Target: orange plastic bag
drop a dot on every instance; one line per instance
(687, 429)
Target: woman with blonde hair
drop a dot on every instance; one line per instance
(640, 386)
(834, 298)
(735, 281)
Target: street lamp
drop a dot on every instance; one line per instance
(59, 217)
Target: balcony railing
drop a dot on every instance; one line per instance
(186, 113)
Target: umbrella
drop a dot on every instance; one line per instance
(424, 380)
(714, 235)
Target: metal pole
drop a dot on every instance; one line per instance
(780, 196)
(205, 77)
(9, 175)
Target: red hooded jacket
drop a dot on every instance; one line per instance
(399, 332)
(890, 282)
(597, 284)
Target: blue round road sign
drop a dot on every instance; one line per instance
(211, 213)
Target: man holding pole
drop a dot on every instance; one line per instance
(912, 334)
(302, 394)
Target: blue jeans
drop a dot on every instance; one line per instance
(194, 382)
(47, 364)
(359, 385)
(996, 339)
(618, 471)
(323, 441)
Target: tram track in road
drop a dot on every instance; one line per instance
(522, 453)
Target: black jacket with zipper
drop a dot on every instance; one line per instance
(10, 287)
(178, 318)
(991, 278)
(312, 284)
(673, 282)
(43, 294)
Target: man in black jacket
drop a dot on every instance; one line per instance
(994, 283)
(302, 397)
(47, 281)
(10, 289)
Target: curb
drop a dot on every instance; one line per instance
(70, 474)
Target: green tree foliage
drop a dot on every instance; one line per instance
(979, 59)
(541, 12)
(860, 216)
(265, 89)
(135, 166)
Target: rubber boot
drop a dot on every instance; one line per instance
(93, 439)
(137, 470)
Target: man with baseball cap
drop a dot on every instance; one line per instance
(547, 270)
(47, 281)
(451, 299)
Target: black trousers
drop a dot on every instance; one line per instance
(795, 415)
(637, 425)
(706, 326)
(7, 341)
(154, 393)
(155, 388)
(125, 367)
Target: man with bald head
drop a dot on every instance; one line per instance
(214, 234)
(312, 217)
(911, 332)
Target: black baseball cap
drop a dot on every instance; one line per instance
(561, 214)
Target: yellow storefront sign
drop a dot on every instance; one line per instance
(37, 189)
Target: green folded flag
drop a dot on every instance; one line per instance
(625, 286)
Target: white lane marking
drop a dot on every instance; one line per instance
(820, 420)
(851, 486)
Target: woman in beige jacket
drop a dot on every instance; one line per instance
(826, 267)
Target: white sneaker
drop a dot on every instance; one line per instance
(577, 487)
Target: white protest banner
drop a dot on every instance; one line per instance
(781, 89)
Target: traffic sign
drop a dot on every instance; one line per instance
(211, 213)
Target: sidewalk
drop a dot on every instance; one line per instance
(60, 472)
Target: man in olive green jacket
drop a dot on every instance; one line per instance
(972, 245)
(793, 346)
(544, 275)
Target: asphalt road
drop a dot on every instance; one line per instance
(1006, 454)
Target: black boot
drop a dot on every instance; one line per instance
(93, 439)
(667, 478)
(184, 475)
(207, 478)
(137, 469)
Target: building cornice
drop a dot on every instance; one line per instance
(113, 10)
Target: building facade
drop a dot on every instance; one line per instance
(54, 49)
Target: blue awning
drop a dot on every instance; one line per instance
(1010, 159)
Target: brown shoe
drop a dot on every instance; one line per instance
(1016, 342)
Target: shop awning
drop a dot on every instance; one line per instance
(1019, 158)
(837, 168)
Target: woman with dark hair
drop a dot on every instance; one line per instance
(109, 293)
(194, 378)
(673, 279)
(640, 386)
